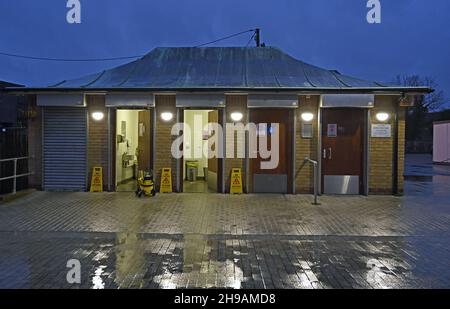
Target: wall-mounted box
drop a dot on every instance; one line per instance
(307, 130)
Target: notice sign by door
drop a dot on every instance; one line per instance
(332, 130)
(381, 130)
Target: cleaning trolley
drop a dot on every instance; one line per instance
(145, 184)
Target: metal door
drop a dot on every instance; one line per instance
(64, 148)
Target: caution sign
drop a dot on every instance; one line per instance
(166, 181)
(236, 181)
(97, 180)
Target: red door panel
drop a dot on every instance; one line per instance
(342, 142)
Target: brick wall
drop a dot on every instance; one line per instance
(35, 144)
(235, 103)
(97, 138)
(164, 139)
(306, 147)
(381, 154)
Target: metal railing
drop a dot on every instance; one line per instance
(316, 178)
(15, 176)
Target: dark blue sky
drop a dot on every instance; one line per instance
(413, 38)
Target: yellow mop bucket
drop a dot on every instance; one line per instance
(146, 185)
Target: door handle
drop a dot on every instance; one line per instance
(330, 154)
(324, 153)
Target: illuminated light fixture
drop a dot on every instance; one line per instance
(236, 116)
(98, 116)
(167, 116)
(307, 117)
(382, 117)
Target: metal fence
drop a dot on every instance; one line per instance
(13, 144)
(15, 174)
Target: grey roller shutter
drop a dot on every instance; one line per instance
(64, 148)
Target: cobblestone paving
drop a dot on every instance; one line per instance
(248, 241)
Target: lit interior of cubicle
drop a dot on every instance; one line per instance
(127, 135)
(195, 162)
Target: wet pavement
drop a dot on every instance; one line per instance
(247, 241)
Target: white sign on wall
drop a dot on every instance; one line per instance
(332, 130)
(381, 130)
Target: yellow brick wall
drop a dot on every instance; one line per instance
(306, 147)
(235, 103)
(163, 139)
(381, 155)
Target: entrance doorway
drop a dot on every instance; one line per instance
(133, 147)
(279, 179)
(200, 173)
(343, 150)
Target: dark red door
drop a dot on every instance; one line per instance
(342, 150)
(278, 179)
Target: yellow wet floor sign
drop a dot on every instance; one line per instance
(166, 181)
(236, 181)
(97, 180)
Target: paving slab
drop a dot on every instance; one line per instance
(222, 241)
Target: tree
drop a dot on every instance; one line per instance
(418, 126)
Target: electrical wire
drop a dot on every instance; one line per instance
(254, 34)
(117, 58)
(68, 60)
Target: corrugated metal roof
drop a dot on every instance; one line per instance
(217, 67)
(4, 84)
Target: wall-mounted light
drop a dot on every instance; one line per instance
(98, 116)
(382, 116)
(167, 116)
(236, 117)
(307, 117)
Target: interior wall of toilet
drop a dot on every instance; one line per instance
(194, 144)
(128, 126)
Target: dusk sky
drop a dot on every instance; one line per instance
(413, 38)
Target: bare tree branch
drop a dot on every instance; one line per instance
(430, 101)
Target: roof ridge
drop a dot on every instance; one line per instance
(95, 79)
(333, 72)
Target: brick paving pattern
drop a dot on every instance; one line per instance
(246, 241)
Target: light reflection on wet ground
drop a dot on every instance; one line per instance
(273, 242)
(210, 261)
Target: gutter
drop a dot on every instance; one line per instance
(300, 91)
